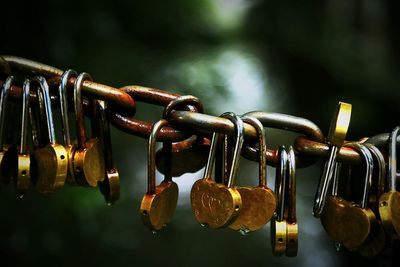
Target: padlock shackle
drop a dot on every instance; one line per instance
(377, 154)
(80, 119)
(291, 186)
(104, 127)
(67, 75)
(393, 174)
(44, 99)
(280, 182)
(151, 155)
(3, 105)
(23, 147)
(262, 148)
(239, 139)
(369, 162)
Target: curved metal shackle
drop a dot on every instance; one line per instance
(64, 104)
(151, 155)
(263, 148)
(44, 98)
(335, 178)
(280, 182)
(377, 154)
(23, 147)
(105, 128)
(239, 125)
(185, 99)
(369, 162)
(382, 140)
(80, 119)
(3, 105)
(393, 174)
(291, 173)
(289, 122)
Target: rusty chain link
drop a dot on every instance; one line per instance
(186, 121)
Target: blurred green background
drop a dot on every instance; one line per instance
(278, 56)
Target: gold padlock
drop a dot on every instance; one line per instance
(292, 228)
(69, 146)
(214, 204)
(258, 202)
(347, 222)
(88, 163)
(377, 240)
(159, 203)
(389, 202)
(23, 177)
(336, 137)
(51, 159)
(110, 187)
(278, 222)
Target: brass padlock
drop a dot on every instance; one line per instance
(51, 159)
(23, 177)
(292, 228)
(8, 152)
(69, 146)
(258, 202)
(89, 166)
(347, 222)
(189, 155)
(110, 187)
(159, 203)
(376, 241)
(336, 137)
(389, 202)
(278, 222)
(214, 204)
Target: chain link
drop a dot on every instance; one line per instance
(121, 108)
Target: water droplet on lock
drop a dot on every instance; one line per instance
(154, 232)
(244, 231)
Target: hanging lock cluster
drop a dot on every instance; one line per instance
(39, 160)
(356, 198)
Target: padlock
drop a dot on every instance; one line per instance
(292, 228)
(188, 155)
(51, 159)
(258, 202)
(347, 222)
(389, 202)
(376, 241)
(23, 177)
(88, 163)
(214, 204)
(278, 222)
(8, 152)
(110, 186)
(69, 146)
(159, 203)
(336, 137)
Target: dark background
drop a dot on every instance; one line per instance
(278, 56)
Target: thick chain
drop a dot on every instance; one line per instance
(122, 107)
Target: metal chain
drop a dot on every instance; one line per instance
(121, 108)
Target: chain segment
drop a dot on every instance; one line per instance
(186, 132)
